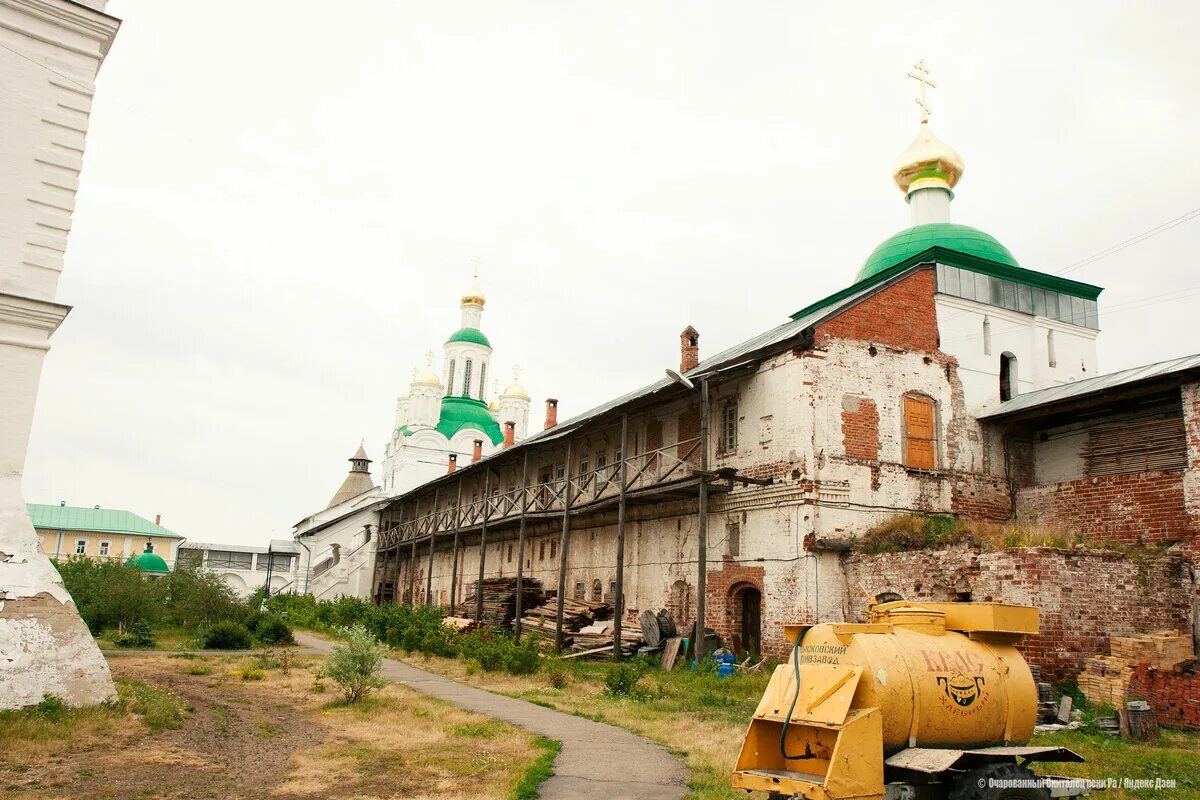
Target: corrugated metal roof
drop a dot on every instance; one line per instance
(1101, 383)
(103, 520)
(747, 350)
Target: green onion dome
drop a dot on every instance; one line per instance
(908, 243)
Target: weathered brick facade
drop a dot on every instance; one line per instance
(860, 427)
(1083, 596)
(1134, 508)
(902, 315)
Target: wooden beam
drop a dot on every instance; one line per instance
(563, 546)
(487, 478)
(454, 556)
(432, 539)
(618, 601)
(521, 546)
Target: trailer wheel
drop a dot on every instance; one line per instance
(998, 781)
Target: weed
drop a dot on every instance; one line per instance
(158, 708)
(557, 675)
(621, 680)
(481, 730)
(538, 772)
(250, 672)
(197, 669)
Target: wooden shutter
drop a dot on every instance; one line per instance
(1136, 446)
(918, 433)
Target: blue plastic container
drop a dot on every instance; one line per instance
(725, 670)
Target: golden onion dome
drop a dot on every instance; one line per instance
(927, 163)
(427, 378)
(474, 295)
(517, 391)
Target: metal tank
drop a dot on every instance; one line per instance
(921, 694)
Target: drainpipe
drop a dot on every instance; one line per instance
(308, 562)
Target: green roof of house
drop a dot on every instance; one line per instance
(473, 335)
(150, 562)
(959, 238)
(466, 412)
(100, 520)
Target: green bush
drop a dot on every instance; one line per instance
(557, 674)
(138, 635)
(52, 709)
(621, 680)
(524, 658)
(354, 665)
(227, 635)
(271, 629)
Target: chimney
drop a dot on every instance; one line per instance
(510, 433)
(158, 519)
(551, 413)
(689, 349)
(477, 452)
(453, 465)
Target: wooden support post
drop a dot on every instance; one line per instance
(521, 547)
(412, 560)
(432, 539)
(454, 557)
(487, 484)
(702, 527)
(393, 581)
(619, 600)
(563, 545)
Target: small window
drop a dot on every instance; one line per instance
(104, 548)
(597, 591)
(482, 378)
(729, 420)
(919, 429)
(542, 550)
(612, 590)
(466, 387)
(559, 471)
(1050, 356)
(581, 591)
(80, 546)
(733, 538)
(553, 548)
(1008, 376)
(509, 555)
(450, 378)
(583, 466)
(601, 461)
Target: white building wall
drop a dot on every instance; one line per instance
(52, 50)
(960, 325)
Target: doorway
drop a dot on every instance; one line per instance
(749, 605)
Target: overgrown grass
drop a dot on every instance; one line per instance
(157, 707)
(539, 771)
(921, 532)
(1175, 756)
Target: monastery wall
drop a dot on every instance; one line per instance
(1084, 597)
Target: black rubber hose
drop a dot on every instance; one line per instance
(795, 698)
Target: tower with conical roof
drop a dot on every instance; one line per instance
(358, 481)
(443, 415)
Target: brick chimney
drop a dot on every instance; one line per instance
(477, 451)
(551, 413)
(689, 349)
(158, 519)
(453, 464)
(510, 433)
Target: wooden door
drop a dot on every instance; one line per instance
(919, 451)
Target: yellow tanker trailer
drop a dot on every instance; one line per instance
(925, 700)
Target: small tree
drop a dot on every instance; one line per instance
(354, 666)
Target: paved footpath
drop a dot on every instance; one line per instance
(596, 760)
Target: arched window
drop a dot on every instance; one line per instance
(482, 379)
(920, 432)
(450, 378)
(597, 591)
(1008, 376)
(466, 389)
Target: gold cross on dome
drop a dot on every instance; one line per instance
(920, 74)
(429, 358)
(516, 372)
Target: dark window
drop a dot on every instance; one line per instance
(729, 420)
(450, 378)
(466, 389)
(227, 559)
(597, 591)
(1008, 376)
(542, 550)
(580, 591)
(553, 548)
(509, 558)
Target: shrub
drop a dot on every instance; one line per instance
(198, 598)
(621, 680)
(354, 665)
(139, 634)
(271, 629)
(524, 659)
(557, 674)
(52, 709)
(227, 635)
(490, 649)
(249, 672)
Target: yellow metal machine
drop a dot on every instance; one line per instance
(924, 700)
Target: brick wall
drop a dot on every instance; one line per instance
(1083, 596)
(980, 496)
(1142, 508)
(724, 610)
(860, 427)
(903, 315)
(1174, 696)
(1190, 395)
(689, 429)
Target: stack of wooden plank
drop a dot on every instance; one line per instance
(1105, 679)
(580, 624)
(1163, 649)
(500, 600)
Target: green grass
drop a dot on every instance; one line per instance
(158, 708)
(1175, 755)
(538, 772)
(482, 730)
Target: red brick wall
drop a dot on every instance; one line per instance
(1139, 508)
(902, 315)
(723, 612)
(980, 496)
(1174, 696)
(1190, 395)
(1083, 596)
(689, 429)
(860, 428)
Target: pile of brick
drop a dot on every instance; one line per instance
(1105, 679)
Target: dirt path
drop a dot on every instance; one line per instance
(597, 760)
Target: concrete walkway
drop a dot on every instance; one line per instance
(596, 761)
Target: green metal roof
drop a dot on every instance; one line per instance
(402, 431)
(473, 335)
(947, 235)
(466, 412)
(101, 520)
(150, 562)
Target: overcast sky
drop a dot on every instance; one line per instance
(281, 201)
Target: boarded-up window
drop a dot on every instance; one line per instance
(733, 538)
(1137, 446)
(919, 449)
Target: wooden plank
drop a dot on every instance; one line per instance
(671, 652)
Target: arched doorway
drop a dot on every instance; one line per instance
(747, 606)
